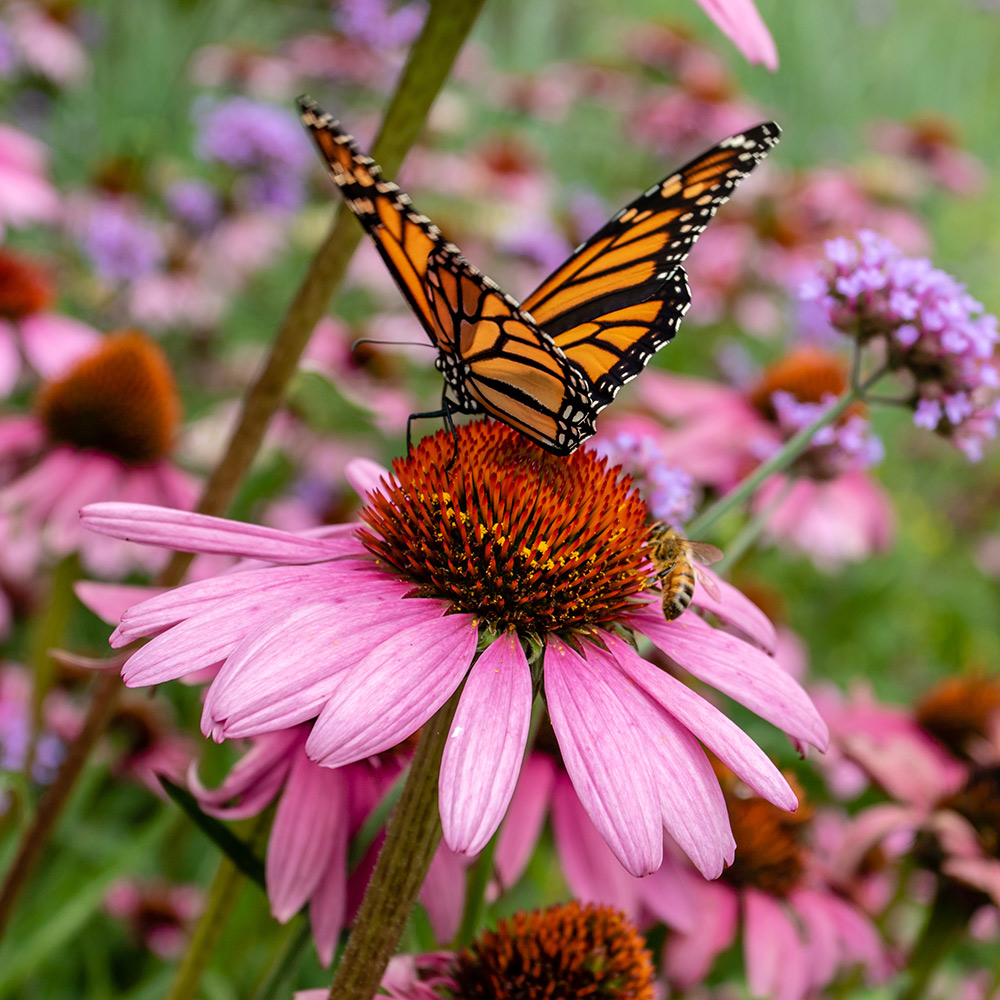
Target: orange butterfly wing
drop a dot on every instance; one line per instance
(621, 296)
(493, 357)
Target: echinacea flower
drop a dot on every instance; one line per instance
(158, 914)
(950, 809)
(26, 195)
(925, 324)
(479, 543)
(319, 811)
(47, 341)
(103, 430)
(570, 951)
(797, 933)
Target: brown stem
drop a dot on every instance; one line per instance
(448, 24)
(410, 842)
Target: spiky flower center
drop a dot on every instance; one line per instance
(809, 374)
(769, 850)
(25, 287)
(490, 522)
(961, 711)
(569, 952)
(120, 400)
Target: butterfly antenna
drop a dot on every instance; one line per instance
(391, 343)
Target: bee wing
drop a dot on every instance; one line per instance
(708, 581)
(704, 553)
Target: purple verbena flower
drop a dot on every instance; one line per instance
(374, 24)
(121, 245)
(194, 202)
(925, 323)
(260, 140)
(667, 489)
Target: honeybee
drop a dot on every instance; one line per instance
(674, 558)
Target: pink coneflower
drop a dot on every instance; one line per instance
(478, 543)
(158, 915)
(797, 933)
(29, 333)
(320, 809)
(26, 196)
(951, 809)
(103, 430)
(568, 951)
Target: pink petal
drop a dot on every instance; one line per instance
(482, 757)
(328, 906)
(303, 835)
(687, 958)
(719, 733)
(739, 670)
(820, 935)
(111, 600)
(53, 343)
(443, 893)
(736, 609)
(859, 940)
(592, 872)
(394, 690)
(254, 780)
(317, 581)
(742, 24)
(692, 805)
(605, 753)
(772, 953)
(522, 826)
(283, 672)
(871, 827)
(189, 532)
(669, 895)
(980, 873)
(365, 476)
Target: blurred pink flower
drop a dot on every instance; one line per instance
(104, 430)
(320, 809)
(26, 196)
(47, 45)
(839, 521)
(156, 913)
(613, 713)
(797, 933)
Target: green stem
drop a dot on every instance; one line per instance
(791, 450)
(475, 894)
(277, 982)
(747, 536)
(410, 842)
(948, 917)
(433, 54)
(222, 896)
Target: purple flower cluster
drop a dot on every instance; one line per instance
(373, 24)
(836, 449)
(195, 203)
(261, 141)
(667, 489)
(121, 245)
(926, 324)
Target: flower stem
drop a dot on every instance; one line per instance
(791, 450)
(431, 58)
(948, 917)
(749, 534)
(410, 842)
(222, 897)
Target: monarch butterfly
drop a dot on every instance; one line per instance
(548, 365)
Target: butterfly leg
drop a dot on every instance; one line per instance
(445, 413)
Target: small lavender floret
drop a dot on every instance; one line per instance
(925, 323)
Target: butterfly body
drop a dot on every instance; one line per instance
(549, 365)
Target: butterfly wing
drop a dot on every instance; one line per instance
(493, 357)
(621, 295)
